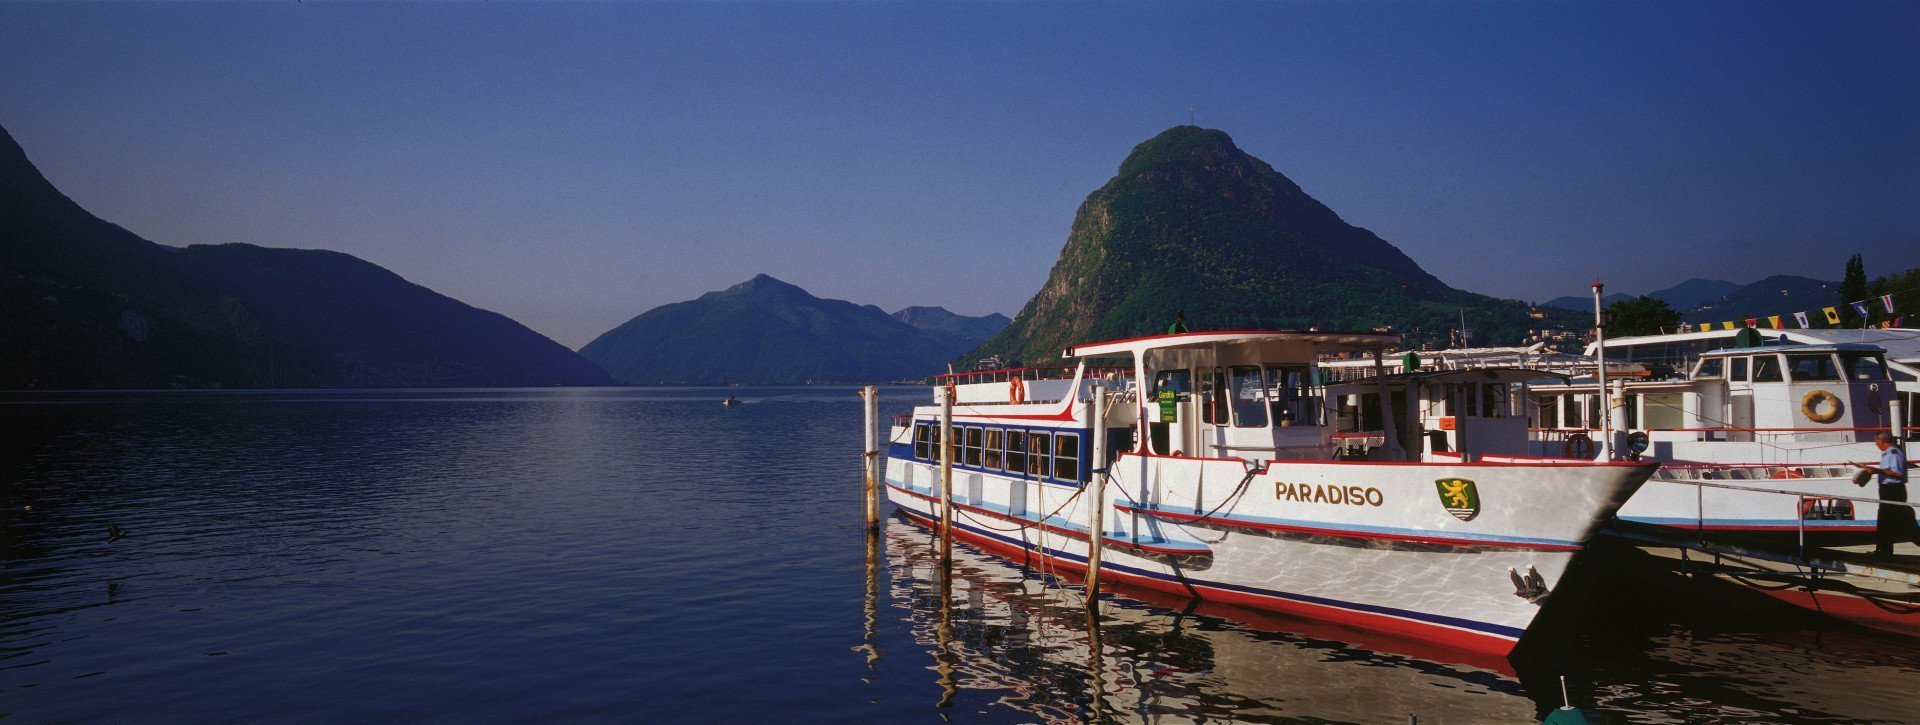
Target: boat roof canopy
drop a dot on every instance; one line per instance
(1829, 347)
(1319, 340)
(1472, 375)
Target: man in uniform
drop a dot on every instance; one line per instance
(1896, 521)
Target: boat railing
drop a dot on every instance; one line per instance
(1750, 471)
(1047, 372)
(1808, 507)
(1723, 434)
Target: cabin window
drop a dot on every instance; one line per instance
(991, 456)
(1737, 369)
(1709, 368)
(1549, 411)
(1861, 366)
(1017, 451)
(1066, 459)
(1249, 397)
(1471, 408)
(971, 442)
(921, 443)
(1493, 400)
(1572, 409)
(1039, 464)
(1812, 366)
(1213, 400)
(1593, 411)
(1766, 368)
(1290, 392)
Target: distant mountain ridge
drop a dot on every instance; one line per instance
(91, 304)
(764, 330)
(939, 319)
(1684, 296)
(1781, 294)
(1192, 223)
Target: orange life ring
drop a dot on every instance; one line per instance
(1578, 445)
(1821, 406)
(1016, 391)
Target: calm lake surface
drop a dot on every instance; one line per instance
(647, 554)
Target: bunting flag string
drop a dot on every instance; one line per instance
(1863, 308)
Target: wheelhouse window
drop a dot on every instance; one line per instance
(1766, 368)
(1066, 459)
(1862, 366)
(922, 444)
(1812, 366)
(1213, 401)
(1737, 369)
(1040, 464)
(1493, 400)
(1709, 368)
(1290, 395)
(1249, 397)
(1017, 451)
(971, 443)
(990, 457)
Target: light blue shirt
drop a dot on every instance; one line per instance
(1893, 460)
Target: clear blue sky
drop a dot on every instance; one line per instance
(572, 165)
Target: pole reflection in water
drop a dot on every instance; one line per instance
(1034, 643)
(869, 643)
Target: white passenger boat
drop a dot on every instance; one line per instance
(1771, 426)
(1224, 481)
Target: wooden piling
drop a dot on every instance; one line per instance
(946, 477)
(870, 400)
(1096, 485)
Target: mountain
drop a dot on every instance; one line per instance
(91, 304)
(1781, 294)
(1694, 292)
(1584, 304)
(1190, 222)
(764, 330)
(1684, 296)
(938, 319)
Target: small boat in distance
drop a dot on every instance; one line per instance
(730, 401)
(1223, 480)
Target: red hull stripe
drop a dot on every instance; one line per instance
(1467, 635)
(1851, 608)
(1168, 548)
(1380, 534)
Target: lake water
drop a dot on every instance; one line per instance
(647, 554)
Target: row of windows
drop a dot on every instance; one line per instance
(1248, 396)
(1044, 454)
(1801, 367)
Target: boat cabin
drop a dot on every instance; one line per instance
(1248, 395)
(1443, 414)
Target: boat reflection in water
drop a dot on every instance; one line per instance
(1018, 631)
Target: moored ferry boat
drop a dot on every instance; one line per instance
(1222, 479)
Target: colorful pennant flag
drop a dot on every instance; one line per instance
(1833, 315)
(1801, 317)
(1860, 307)
(1887, 302)
(1751, 322)
(1774, 322)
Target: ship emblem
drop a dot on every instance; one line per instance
(1459, 497)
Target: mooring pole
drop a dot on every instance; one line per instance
(1097, 485)
(870, 398)
(946, 477)
(1600, 370)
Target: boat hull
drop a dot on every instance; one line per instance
(1388, 557)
